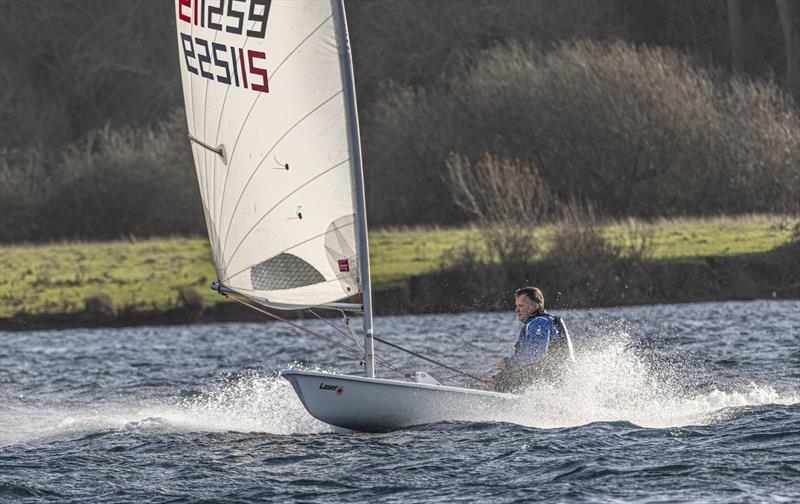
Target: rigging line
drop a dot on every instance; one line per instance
(380, 360)
(304, 184)
(247, 117)
(346, 335)
(415, 354)
(296, 326)
(396, 369)
(287, 248)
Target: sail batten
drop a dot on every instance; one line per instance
(264, 88)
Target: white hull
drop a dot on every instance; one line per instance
(378, 405)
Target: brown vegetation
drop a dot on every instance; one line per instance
(631, 116)
(113, 183)
(101, 306)
(71, 66)
(634, 131)
(191, 300)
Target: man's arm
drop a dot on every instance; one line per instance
(533, 345)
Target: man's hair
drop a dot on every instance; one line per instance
(532, 293)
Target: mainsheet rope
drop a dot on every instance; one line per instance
(332, 341)
(406, 350)
(346, 335)
(415, 354)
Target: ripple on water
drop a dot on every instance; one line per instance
(665, 402)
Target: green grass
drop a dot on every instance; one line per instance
(681, 239)
(139, 276)
(398, 254)
(145, 275)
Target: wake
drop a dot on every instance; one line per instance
(614, 381)
(247, 402)
(611, 381)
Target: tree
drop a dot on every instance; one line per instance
(788, 13)
(735, 27)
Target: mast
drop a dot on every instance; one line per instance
(354, 139)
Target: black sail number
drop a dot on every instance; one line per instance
(259, 15)
(237, 15)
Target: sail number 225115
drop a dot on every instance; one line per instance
(227, 64)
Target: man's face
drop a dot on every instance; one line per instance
(524, 308)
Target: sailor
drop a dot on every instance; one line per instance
(542, 350)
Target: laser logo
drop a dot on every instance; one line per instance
(333, 388)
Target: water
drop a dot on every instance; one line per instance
(667, 403)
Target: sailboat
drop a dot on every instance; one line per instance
(273, 125)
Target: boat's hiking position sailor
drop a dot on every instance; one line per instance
(542, 351)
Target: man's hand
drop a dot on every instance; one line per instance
(503, 364)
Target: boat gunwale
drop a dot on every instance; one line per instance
(398, 383)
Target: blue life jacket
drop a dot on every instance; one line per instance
(540, 313)
(559, 347)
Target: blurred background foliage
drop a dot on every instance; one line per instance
(634, 108)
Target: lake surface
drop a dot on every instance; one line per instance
(667, 403)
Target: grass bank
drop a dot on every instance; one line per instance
(139, 280)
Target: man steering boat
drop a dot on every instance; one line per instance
(542, 350)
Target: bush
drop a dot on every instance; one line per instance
(498, 191)
(24, 184)
(191, 300)
(584, 255)
(102, 305)
(115, 182)
(581, 262)
(635, 131)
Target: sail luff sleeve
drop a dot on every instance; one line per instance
(354, 139)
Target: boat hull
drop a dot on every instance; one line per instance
(378, 405)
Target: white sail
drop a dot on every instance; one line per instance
(266, 110)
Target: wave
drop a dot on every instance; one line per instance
(614, 380)
(251, 401)
(617, 381)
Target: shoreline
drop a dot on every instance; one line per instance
(773, 275)
(220, 314)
